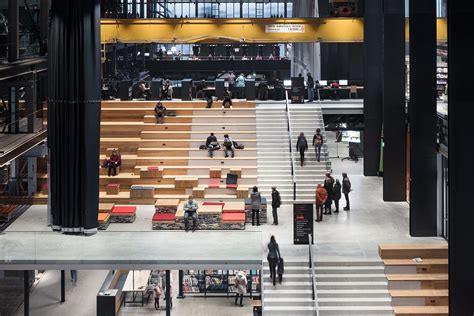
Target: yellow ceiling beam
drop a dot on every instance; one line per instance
(239, 30)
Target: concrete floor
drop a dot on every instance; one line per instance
(352, 235)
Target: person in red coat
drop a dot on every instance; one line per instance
(321, 197)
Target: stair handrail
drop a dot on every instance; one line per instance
(290, 131)
(313, 276)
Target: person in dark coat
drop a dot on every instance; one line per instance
(256, 201)
(302, 146)
(336, 194)
(276, 203)
(318, 143)
(273, 257)
(328, 185)
(346, 189)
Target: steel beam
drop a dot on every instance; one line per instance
(182, 31)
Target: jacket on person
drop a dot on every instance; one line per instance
(211, 139)
(301, 144)
(115, 158)
(337, 191)
(240, 82)
(240, 282)
(310, 82)
(273, 250)
(318, 139)
(329, 185)
(276, 200)
(228, 142)
(256, 200)
(321, 195)
(346, 185)
(190, 207)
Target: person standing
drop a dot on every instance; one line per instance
(240, 286)
(156, 295)
(337, 194)
(318, 143)
(256, 202)
(74, 277)
(273, 257)
(276, 203)
(190, 210)
(329, 186)
(302, 146)
(346, 189)
(321, 197)
(310, 84)
(240, 84)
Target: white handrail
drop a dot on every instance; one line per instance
(293, 174)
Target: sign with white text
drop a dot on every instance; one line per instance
(284, 28)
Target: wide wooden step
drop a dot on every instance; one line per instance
(421, 310)
(410, 251)
(419, 293)
(418, 277)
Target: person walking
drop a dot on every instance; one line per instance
(256, 202)
(310, 84)
(318, 143)
(302, 146)
(276, 203)
(240, 286)
(336, 194)
(346, 189)
(329, 186)
(273, 257)
(321, 197)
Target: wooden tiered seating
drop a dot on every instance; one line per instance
(418, 277)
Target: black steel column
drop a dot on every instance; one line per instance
(63, 286)
(168, 296)
(180, 285)
(394, 113)
(461, 166)
(44, 24)
(13, 31)
(74, 73)
(26, 292)
(373, 48)
(422, 119)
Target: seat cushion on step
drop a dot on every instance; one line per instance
(231, 178)
(233, 217)
(103, 217)
(152, 168)
(113, 185)
(164, 217)
(125, 209)
(214, 183)
(231, 186)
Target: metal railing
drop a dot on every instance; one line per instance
(290, 131)
(313, 276)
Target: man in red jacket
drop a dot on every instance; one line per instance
(321, 197)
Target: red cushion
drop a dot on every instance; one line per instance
(214, 183)
(164, 217)
(232, 186)
(213, 203)
(152, 168)
(124, 210)
(233, 217)
(113, 185)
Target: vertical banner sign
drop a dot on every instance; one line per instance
(302, 223)
(297, 90)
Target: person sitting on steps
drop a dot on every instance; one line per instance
(190, 210)
(228, 146)
(212, 144)
(113, 162)
(160, 112)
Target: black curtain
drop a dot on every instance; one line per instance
(74, 114)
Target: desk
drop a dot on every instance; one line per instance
(136, 283)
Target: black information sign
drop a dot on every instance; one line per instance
(302, 223)
(297, 90)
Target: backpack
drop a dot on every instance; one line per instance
(318, 140)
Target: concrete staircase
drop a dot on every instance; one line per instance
(352, 288)
(273, 155)
(307, 118)
(294, 295)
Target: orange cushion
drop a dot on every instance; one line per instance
(164, 217)
(152, 168)
(113, 185)
(102, 217)
(213, 203)
(233, 217)
(124, 210)
(214, 183)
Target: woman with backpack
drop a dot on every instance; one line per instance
(302, 146)
(318, 143)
